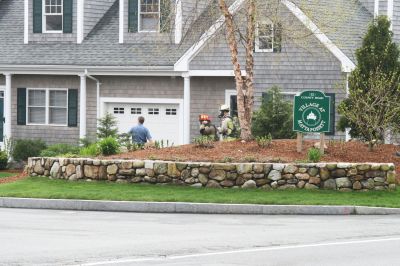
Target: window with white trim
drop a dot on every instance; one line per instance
(53, 16)
(119, 110)
(268, 37)
(47, 107)
(149, 15)
(136, 111)
(153, 111)
(170, 111)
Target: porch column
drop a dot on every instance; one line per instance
(7, 106)
(186, 109)
(82, 107)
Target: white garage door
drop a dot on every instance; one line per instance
(161, 119)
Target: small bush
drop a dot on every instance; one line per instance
(314, 155)
(58, 149)
(25, 148)
(265, 141)
(3, 160)
(204, 142)
(85, 142)
(90, 151)
(109, 146)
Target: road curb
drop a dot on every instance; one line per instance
(195, 208)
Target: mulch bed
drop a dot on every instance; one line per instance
(280, 151)
(18, 176)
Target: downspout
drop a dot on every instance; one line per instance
(348, 137)
(98, 84)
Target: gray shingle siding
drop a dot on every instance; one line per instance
(369, 5)
(396, 21)
(94, 11)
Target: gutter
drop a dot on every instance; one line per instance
(98, 84)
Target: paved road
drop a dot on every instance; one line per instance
(44, 237)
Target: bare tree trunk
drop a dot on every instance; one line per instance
(244, 86)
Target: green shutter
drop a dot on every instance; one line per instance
(37, 16)
(72, 107)
(133, 16)
(21, 106)
(67, 16)
(277, 38)
(332, 113)
(165, 13)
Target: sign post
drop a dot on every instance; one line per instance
(311, 114)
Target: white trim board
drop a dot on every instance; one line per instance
(214, 73)
(347, 64)
(106, 100)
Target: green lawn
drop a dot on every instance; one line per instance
(40, 187)
(5, 174)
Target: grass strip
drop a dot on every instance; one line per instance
(41, 187)
(6, 174)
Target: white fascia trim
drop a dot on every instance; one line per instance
(121, 20)
(347, 64)
(26, 21)
(80, 9)
(183, 63)
(213, 73)
(390, 13)
(376, 8)
(178, 22)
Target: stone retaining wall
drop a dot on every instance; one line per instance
(334, 176)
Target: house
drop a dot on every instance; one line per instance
(65, 63)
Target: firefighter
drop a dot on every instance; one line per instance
(207, 128)
(227, 129)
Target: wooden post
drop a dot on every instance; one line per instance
(299, 142)
(322, 143)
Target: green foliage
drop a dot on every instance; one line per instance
(227, 159)
(204, 142)
(109, 146)
(3, 160)
(58, 149)
(85, 142)
(264, 141)
(314, 155)
(90, 151)
(274, 117)
(107, 127)
(9, 144)
(25, 148)
(161, 144)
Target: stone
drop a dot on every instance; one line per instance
(287, 187)
(190, 180)
(141, 172)
(213, 184)
(249, 184)
(73, 178)
(261, 182)
(287, 176)
(379, 179)
(181, 166)
(278, 166)
(160, 168)
(126, 165)
(259, 176)
(149, 179)
(148, 164)
(292, 181)
(266, 187)
(240, 180)
(301, 184)
(46, 172)
(314, 180)
(309, 186)
(338, 173)
(91, 171)
(302, 176)
(96, 162)
(164, 179)
(385, 167)
(345, 190)
(63, 168)
(38, 169)
(218, 175)
(185, 174)
(70, 169)
(290, 169)
(375, 173)
(231, 176)
(313, 171)
(227, 183)
(150, 172)
(258, 168)
(173, 170)
(102, 172)
(281, 182)
(343, 165)
(195, 172)
(127, 172)
(324, 173)
(197, 185)
(54, 171)
(121, 181)
(274, 185)
(363, 167)
(368, 184)
(47, 164)
(244, 168)
(204, 170)
(111, 177)
(139, 164)
(267, 168)
(391, 177)
(224, 166)
(274, 175)
(112, 169)
(379, 188)
(136, 179)
(203, 179)
(358, 177)
(302, 170)
(352, 172)
(392, 187)
(331, 166)
(357, 185)
(375, 166)
(178, 182)
(343, 182)
(329, 184)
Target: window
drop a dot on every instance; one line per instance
(136, 111)
(119, 110)
(149, 15)
(153, 111)
(169, 111)
(268, 37)
(53, 16)
(47, 106)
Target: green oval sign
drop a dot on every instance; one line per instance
(311, 112)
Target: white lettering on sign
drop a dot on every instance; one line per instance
(315, 105)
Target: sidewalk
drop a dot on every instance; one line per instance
(195, 208)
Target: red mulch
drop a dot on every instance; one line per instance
(18, 176)
(280, 151)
